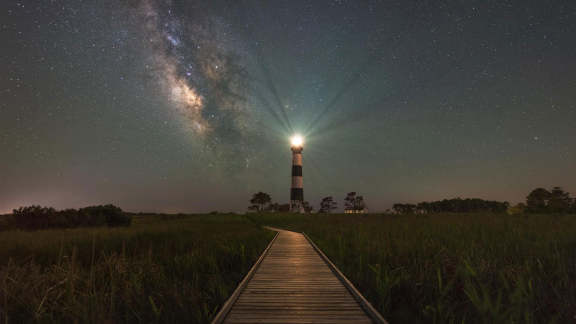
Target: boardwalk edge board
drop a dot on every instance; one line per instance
(370, 310)
(219, 318)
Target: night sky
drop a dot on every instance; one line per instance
(188, 106)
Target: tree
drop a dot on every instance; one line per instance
(537, 200)
(404, 208)
(353, 202)
(559, 201)
(349, 201)
(259, 201)
(307, 207)
(359, 203)
(327, 205)
(423, 208)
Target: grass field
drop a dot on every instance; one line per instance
(162, 269)
(414, 269)
(452, 268)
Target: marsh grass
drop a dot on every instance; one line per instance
(162, 269)
(462, 268)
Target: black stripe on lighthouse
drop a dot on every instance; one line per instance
(296, 170)
(297, 194)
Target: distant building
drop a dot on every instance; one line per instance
(356, 211)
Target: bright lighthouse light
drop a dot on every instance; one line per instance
(297, 140)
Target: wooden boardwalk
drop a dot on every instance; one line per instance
(294, 282)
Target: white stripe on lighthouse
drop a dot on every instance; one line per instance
(297, 182)
(297, 159)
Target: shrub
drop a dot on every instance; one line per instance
(34, 217)
(105, 215)
(37, 217)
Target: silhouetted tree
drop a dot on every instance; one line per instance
(327, 205)
(359, 203)
(537, 201)
(307, 207)
(560, 201)
(349, 200)
(404, 208)
(259, 201)
(353, 202)
(423, 208)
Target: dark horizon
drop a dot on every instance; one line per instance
(188, 106)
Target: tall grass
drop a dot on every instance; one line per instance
(464, 268)
(162, 269)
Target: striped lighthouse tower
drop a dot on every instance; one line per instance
(297, 190)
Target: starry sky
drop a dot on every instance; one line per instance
(188, 106)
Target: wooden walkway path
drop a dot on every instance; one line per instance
(294, 282)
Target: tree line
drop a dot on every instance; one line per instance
(262, 202)
(539, 200)
(456, 205)
(37, 217)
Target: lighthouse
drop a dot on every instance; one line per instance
(297, 190)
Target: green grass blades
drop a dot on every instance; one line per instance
(162, 269)
(452, 268)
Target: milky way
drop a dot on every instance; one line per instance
(199, 72)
